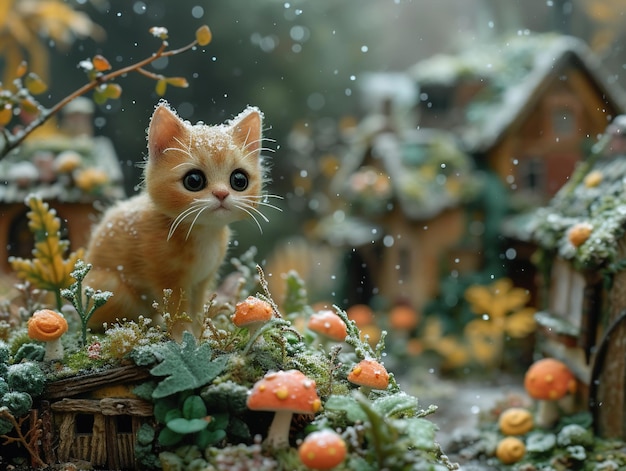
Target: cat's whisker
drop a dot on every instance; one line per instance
(254, 209)
(194, 221)
(196, 206)
(249, 213)
(265, 205)
(182, 164)
(259, 200)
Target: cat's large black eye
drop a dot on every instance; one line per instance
(239, 180)
(194, 180)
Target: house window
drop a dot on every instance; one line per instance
(21, 240)
(84, 424)
(531, 174)
(124, 424)
(563, 121)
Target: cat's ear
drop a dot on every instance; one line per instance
(165, 127)
(247, 130)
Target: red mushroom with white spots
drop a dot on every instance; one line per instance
(369, 374)
(322, 450)
(286, 393)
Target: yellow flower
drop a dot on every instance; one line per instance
(90, 179)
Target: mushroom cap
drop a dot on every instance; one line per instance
(323, 449)
(289, 390)
(403, 317)
(361, 314)
(369, 373)
(328, 324)
(516, 421)
(510, 450)
(251, 311)
(549, 379)
(46, 325)
(579, 233)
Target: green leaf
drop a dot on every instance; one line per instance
(194, 408)
(145, 435)
(167, 437)
(421, 432)
(207, 437)
(219, 421)
(172, 414)
(396, 405)
(186, 366)
(185, 426)
(238, 429)
(162, 407)
(348, 405)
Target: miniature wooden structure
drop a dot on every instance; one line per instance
(70, 169)
(528, 108)
(94, 418)
(405, 193)
(583, 321)
(522, 114)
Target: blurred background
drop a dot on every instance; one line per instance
(303, 62)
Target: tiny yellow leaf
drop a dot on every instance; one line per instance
(177, 82)
(161, 86)
(6, 113)
(21, 69)
(100, 63)
(99, 96)
(29, 106)
(113, 91)
(203, 35)
(35, 84)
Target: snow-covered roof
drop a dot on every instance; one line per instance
(513, 70)
(428, 172)
(62, 168)
(595, 196)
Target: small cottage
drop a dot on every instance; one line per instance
(70, 169)
(500, 129)
(94, 418)
(581, 237)
(403, 215)
(527, 107)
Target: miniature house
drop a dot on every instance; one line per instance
(583, 321)
(528, 108)
(94, 418)
(70, 169)
(404, 195)
(522, 113)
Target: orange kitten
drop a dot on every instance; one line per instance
(175, 234)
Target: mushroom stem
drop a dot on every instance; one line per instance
(278, 434)
(54, 350)
(547, 413)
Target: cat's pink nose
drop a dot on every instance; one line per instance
(220, 194)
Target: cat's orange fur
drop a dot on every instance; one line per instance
(174, 234)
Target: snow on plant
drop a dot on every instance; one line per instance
(92, 299)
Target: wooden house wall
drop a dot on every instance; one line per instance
(611, 378)
(533, 135)
(90, 430)
(410, 269)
